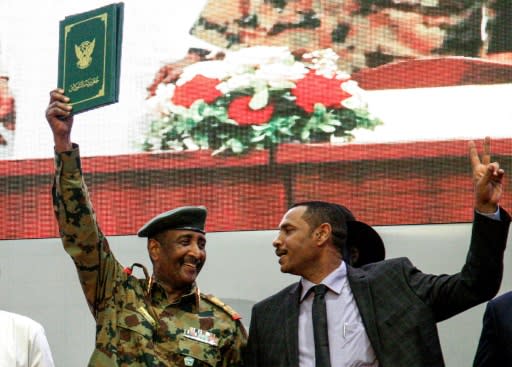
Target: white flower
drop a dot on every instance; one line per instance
(159, 103)
(249, 67)
(357, 100)
(277, 74)
(342, 75)
(351, 87)
(214, 69)
(240, 81)
(353, 103)
(259, 55)
(324, 62)
(326, 53)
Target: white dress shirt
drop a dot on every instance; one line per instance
(349, 345)
(23, 342)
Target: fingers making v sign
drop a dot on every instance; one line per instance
(487, 178)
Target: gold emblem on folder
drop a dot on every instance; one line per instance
(84, 53)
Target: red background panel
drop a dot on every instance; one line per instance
(384, 184)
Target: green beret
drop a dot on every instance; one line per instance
(191, 218)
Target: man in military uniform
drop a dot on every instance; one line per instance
(364, 33)
(162, 320)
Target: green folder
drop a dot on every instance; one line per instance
(90, 57)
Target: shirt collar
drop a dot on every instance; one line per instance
(334, 281)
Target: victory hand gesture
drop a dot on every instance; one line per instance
(487, 178)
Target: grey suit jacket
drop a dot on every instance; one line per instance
(399, 305)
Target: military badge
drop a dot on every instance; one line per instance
(202, 336)
(189, 361)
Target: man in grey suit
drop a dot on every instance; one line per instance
(384, 313)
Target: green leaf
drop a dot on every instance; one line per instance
(304, 135)
(258, 138)
(259, 127)
(327, 128)
(319, 109)
(285, 130)
(236, 145)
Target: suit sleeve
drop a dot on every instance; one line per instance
(79, 231)
(251, 351)
(488, 353)
(479, 279)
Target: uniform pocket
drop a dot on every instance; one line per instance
(135, 322)
(197, 353)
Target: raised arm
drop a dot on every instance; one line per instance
(480, 277)
(79, 231)
(58, 115)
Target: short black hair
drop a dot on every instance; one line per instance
(318, 212)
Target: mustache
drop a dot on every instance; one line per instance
(194, 261)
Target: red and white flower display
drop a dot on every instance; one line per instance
(256, 98)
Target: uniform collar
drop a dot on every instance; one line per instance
(159, 295)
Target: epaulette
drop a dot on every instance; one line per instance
(217, 302)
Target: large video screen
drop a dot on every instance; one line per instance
(247, 106)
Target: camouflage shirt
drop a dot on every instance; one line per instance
(136, 325)
(364, 33)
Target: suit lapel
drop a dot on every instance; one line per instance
(291, 310)
(361, 289)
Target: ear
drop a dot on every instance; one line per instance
(322, 233)
(153, 249)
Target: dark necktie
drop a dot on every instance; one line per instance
(319, 315)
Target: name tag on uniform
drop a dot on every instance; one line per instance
(202, 336)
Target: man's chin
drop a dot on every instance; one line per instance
(284, 269)
(190, 275)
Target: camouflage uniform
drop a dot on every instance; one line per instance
(364, 33)
(136, 325)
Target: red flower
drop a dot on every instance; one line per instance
(200, 87)
(240, 111)
(315, 88)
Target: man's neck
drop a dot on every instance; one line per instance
(322, 269)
